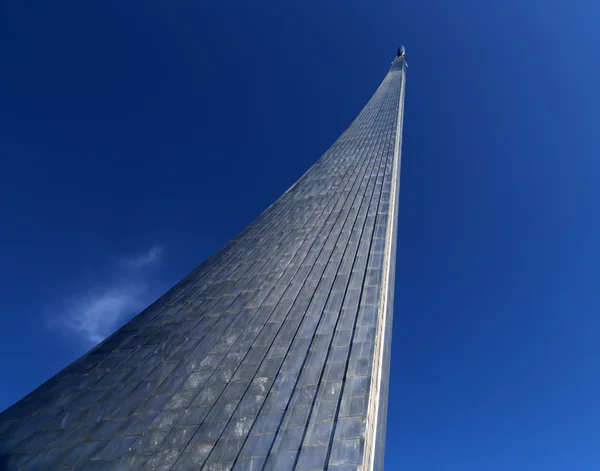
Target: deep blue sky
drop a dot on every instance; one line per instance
(137, 137)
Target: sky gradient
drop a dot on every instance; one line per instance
(136, 138)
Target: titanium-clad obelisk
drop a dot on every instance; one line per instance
(274, 354)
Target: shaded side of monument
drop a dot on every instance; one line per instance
(272, 355)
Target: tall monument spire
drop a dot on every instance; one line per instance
(274, 354)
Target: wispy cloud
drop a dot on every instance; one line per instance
(150, 257)
(95, 312)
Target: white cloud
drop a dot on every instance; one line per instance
(94, 313)
(145, 259)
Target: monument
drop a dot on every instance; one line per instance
(274, 354)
